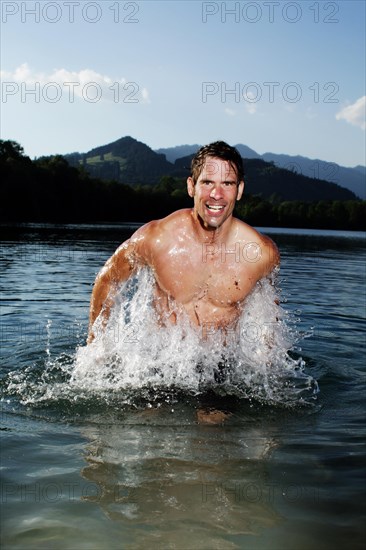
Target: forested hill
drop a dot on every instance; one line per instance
(353, 179)
(277, 184)
(125, 160)
(131, 162)
(50, 190)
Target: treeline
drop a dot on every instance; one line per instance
(347, 215)
(49, 190)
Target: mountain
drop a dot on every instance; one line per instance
(246, 152)
(180, 151)
(174, 153)
(125, 160)
(132, 162)
(270, 181)
(361, 169)
(349, 178)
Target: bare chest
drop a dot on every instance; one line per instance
(190, 277)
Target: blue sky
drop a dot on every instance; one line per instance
(281, 77)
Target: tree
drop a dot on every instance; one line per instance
(10, 150)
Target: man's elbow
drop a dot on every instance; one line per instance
(91, 329)
(90, 338)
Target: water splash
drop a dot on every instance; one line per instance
(251, 360)
(134, 357)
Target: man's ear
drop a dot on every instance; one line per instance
(240, 190)
(190, 186)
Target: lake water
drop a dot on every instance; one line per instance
(97, 453)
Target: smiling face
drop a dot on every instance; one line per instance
(215, 192)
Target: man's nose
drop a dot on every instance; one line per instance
(216, 192)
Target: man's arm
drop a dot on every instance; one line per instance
(116, 270)
(270, 256)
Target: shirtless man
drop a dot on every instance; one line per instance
(204, 260)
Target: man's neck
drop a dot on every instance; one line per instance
(211, 234)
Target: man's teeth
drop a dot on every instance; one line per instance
(216, 208)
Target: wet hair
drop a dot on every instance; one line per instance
(221, 150)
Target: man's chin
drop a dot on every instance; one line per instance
(211, 222)
(215, 223)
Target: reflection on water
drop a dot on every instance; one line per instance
(191, 483)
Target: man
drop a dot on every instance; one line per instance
(204, 260)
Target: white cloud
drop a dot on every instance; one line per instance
(251, 108)
(145, 95)
(290, 107)
(251, 102)
(85, 84)
(309, 113)
(230, 112)
(355, 113)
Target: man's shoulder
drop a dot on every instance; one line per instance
(158, 233)
(167, 220)
(157, 228)
(180, 216)
(247, 232)
(263, 247)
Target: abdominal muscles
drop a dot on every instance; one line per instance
(201, 309)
